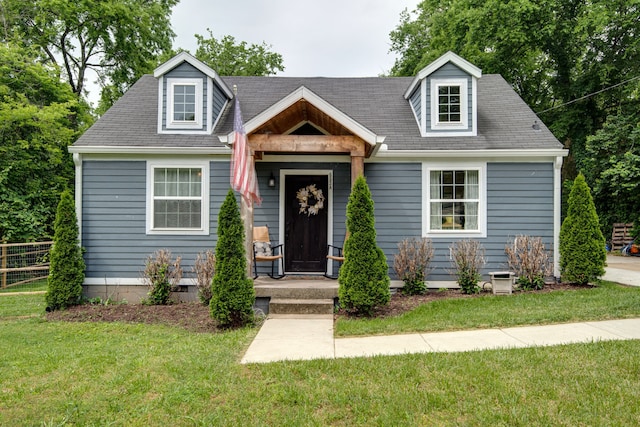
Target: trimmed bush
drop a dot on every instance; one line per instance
(363, 279)
(529, 259)
(161, 275)
(204, 268)
(232, 293)
(411, 264)
(66, 271)
(467, 261)
(582, 246)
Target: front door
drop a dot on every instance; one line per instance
(305, 223)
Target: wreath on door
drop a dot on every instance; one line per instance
(306, 196)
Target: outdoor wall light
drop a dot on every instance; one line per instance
(272, 180)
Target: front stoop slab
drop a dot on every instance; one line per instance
(300, 306)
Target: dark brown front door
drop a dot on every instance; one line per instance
(305, 223)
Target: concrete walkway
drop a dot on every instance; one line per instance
(305, 337)
(291, 337)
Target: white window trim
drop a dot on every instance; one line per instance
(464, 104)
(482, 203)
(204, 186)
(171, 84)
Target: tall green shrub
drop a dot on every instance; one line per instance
(582, 245)
(232, 293)
(363, 278)
(66, 271)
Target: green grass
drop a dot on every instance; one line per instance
(36, 286)
(608, 301)
(56, 373)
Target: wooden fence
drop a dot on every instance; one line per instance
(22, 263)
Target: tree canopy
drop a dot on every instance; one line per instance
(118, 39)
(574, 62)
(35, 129)
(231, 58)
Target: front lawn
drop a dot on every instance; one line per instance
(608, 301)
(86, 373)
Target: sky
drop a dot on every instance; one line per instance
(329, 38)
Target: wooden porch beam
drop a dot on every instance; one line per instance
(317, 144)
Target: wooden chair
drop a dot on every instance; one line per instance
(335, 253)
(263, 251)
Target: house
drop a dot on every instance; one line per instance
(448, 154)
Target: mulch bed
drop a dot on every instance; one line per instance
(195, 317)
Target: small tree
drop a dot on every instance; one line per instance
(232, 293)
(411, 264)
(66, 271)
(363, 278)
(582, 246)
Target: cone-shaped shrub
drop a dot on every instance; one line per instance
(66, 271)
(232, 293)
(363, 278)
(582, 247)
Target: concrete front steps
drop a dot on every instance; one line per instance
(289, 295)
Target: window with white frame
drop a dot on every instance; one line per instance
(449, 104)
(455, 200)
(184, 103)
(177, 199)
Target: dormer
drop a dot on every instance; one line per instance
(443, 97)
(191, 96)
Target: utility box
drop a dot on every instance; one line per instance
(502, 282)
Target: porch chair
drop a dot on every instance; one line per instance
(335, 253)
(263, 251)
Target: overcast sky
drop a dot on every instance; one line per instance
(333, 38)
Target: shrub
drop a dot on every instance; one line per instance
(582, 246)
(161, 275)
(66, 270)
(363, 278)
(467, 259)
(232, 293)
(411, 264)
(529, 259)
(204, 269)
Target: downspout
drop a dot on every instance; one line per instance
(77, 161)
(557, 214)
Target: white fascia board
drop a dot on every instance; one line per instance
(324, 106)
(458, 61)
(384, 152)
(148, 150)
(187, 57)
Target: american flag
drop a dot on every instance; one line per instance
(243, 173)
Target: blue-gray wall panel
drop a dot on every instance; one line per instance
(113, 219)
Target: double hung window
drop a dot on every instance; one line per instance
(455, 201)
(178, 199)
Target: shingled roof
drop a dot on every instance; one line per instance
(377, 103)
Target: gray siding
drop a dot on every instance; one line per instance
(519, 201)
(219, 99)
(185, 71)
(113, 219)
(450, 71)
(416, 104)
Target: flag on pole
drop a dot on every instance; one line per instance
(243, 173)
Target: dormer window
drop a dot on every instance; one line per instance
(184, 103)
(449, 104)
